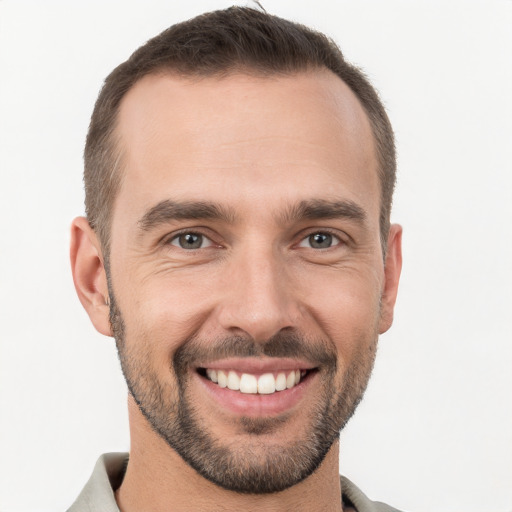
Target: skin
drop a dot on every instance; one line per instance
(258, 147)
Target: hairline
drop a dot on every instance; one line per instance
(116, 152)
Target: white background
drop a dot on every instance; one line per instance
(435, 429)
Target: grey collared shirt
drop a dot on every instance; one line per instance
(98, 493)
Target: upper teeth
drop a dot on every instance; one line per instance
(247, 383)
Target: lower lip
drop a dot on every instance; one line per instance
(255, 405)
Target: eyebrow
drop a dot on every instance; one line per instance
(167, 211)
(316, 209)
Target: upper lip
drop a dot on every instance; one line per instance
(258, 364)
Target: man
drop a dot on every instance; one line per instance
(237, 245)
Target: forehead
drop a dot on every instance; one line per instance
(241, 136)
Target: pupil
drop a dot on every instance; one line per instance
(320, 240)
(190, 241)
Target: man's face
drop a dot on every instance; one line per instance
(245, 249)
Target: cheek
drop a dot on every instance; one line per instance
(164, 309)
(165, 312)
(348, 311)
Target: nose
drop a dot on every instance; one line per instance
(258, 296)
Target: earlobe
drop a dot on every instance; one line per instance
(89, 274)
(392, 269)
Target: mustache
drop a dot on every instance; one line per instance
(284, 344)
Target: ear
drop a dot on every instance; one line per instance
(89, 274)
(392, 269)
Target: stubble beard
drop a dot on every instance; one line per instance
(259, 467)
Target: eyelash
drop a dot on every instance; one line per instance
(336, 239)
(175, 238)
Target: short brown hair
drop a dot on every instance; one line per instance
(217, 43)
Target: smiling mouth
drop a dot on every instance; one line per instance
(255, 384)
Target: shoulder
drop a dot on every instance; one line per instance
(98, 493)
(357, 501)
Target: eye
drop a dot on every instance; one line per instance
(320, 240)
(191, 240)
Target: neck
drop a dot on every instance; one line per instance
(157, 479)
